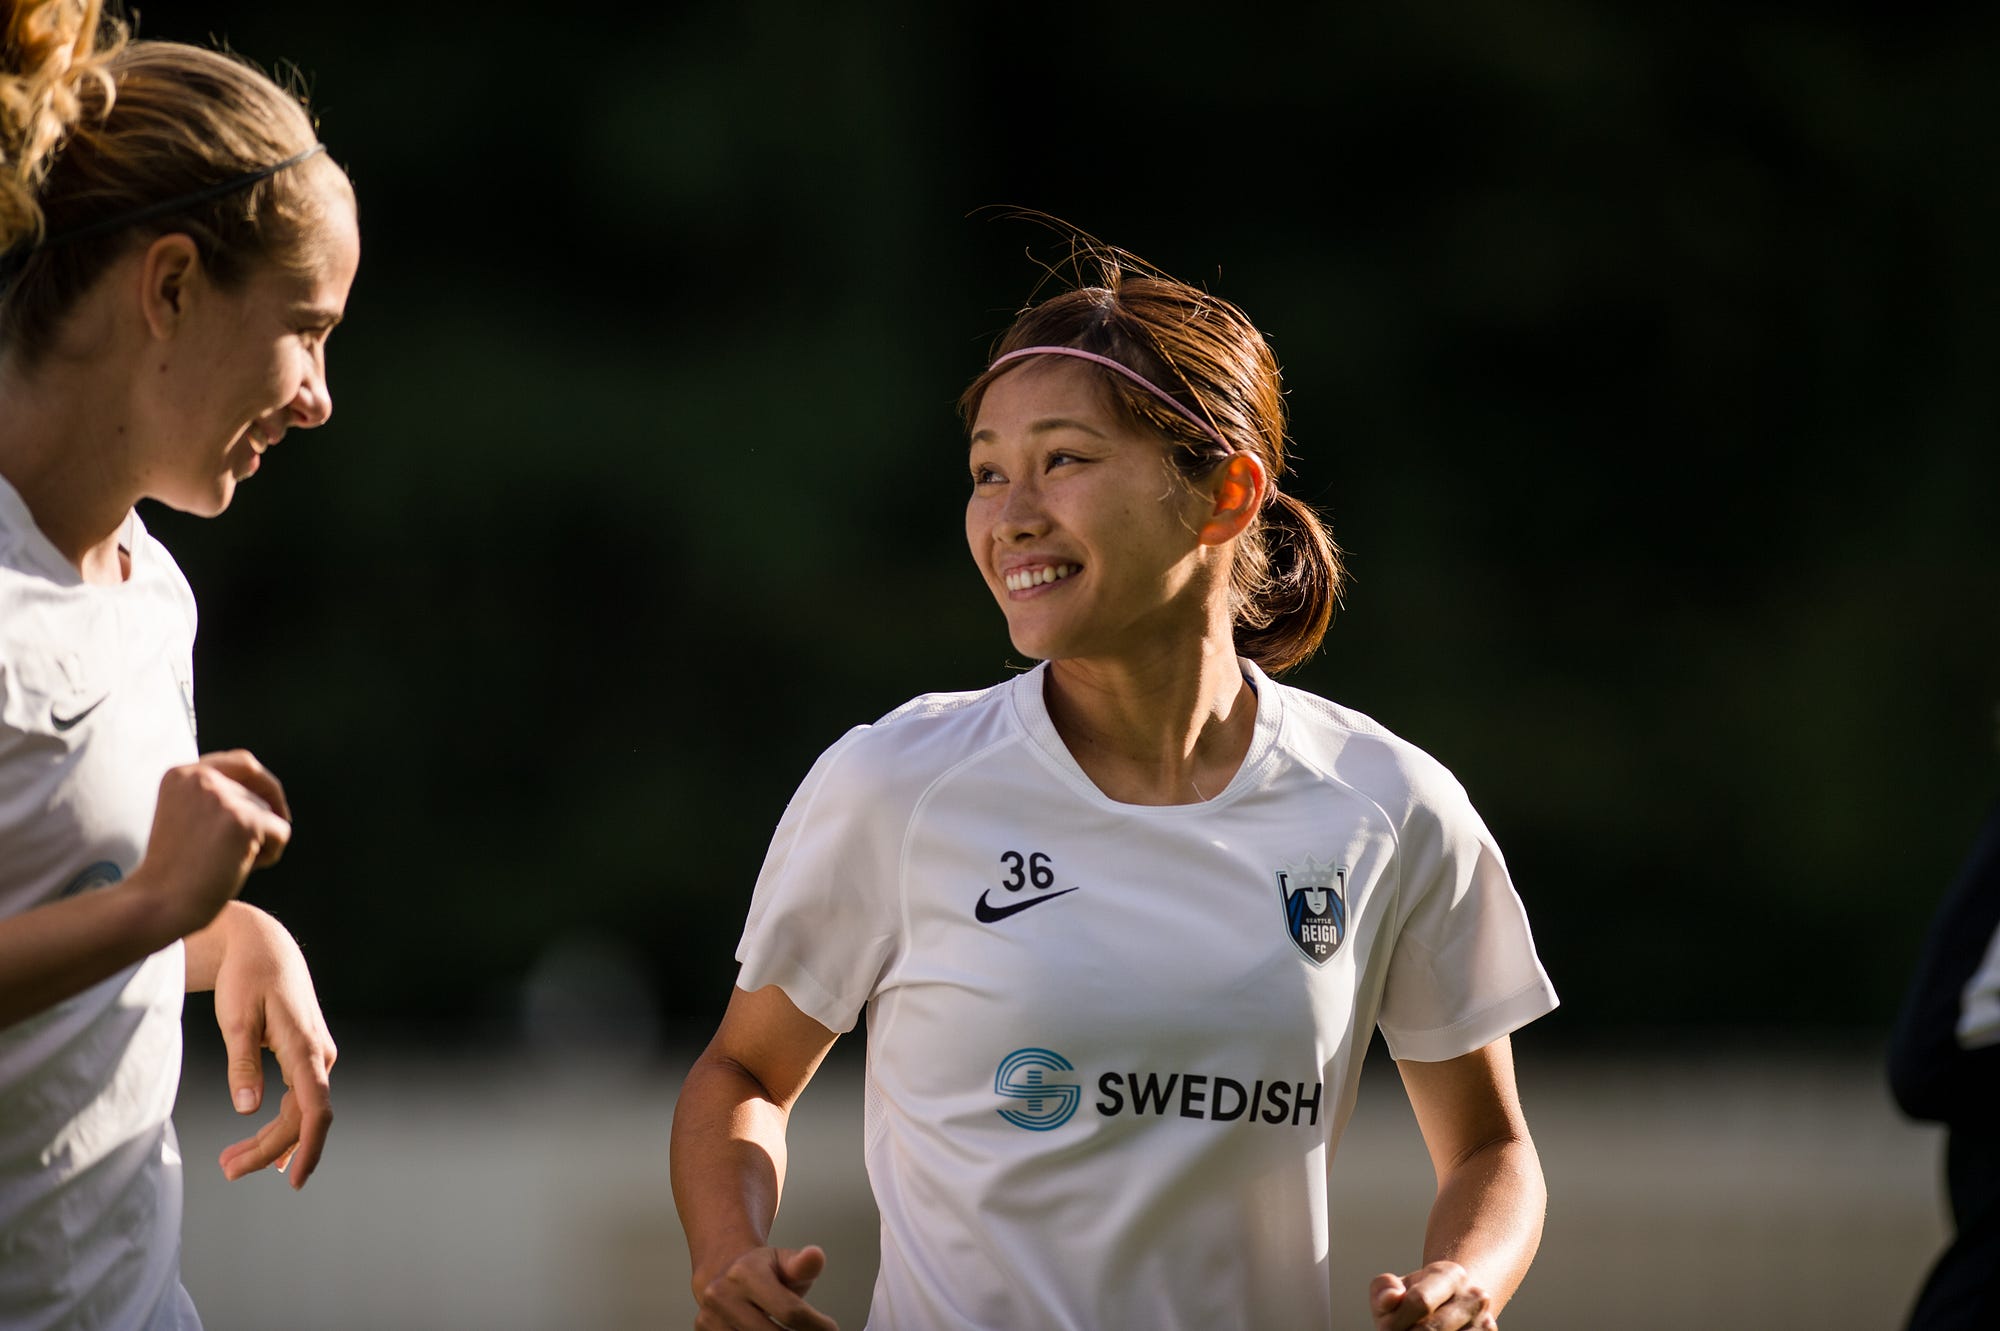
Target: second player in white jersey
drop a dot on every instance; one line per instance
(1109, 1043)
(1122, 927)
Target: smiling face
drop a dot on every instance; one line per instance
(247, 364)
(1084, 534)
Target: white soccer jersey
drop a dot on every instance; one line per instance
(1111, 1047)
(95, 706)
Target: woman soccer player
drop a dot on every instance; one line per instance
(174, 249)
(1123, 925)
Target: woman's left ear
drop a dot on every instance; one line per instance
(1239, 491)
(166, 270)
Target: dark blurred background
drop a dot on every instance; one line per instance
(1641, 358)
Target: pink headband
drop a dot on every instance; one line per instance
(1129, 373)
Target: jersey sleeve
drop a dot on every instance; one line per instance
(1463, 971)
(824, 919)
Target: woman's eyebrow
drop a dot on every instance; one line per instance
(1042, 427)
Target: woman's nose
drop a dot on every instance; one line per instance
(1023, 514)
(314, 404)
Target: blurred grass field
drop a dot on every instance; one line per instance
(458, 1192)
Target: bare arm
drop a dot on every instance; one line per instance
(59, 950)
(1486, 1221)
(728, 1161)
(216, 820)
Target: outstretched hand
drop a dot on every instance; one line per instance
(264, 999)
(762, 1288)
(1441, 1297)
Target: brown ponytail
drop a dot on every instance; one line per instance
(1212, 360)
(1288, 590)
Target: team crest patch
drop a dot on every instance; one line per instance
(1315, 900)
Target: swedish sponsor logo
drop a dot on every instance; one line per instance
(1218, 1099)
(1023, 1076)
(1034, 1078)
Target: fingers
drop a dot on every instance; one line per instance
(794, 1314)
(265, 1002)
(258, 800)
(1441, 1297)
(242, 767)
(281, 1142)
(315, 1106)
(274, 836)
(762, 1288)
(294, 1140)
(273, 1141)
(799, 1267)
(215, 821)
(305, 1060)
(244, 1045)
(1385, 1293)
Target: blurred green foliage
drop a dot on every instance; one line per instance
(1641, 359)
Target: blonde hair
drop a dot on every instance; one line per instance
(96, 126)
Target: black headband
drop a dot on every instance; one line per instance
(11, 260)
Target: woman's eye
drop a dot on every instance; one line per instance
(984, 476)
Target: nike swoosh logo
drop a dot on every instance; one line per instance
(66, 722)
(987, 913)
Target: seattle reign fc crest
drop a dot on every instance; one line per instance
(1315, 900)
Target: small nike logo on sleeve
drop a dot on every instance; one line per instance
(987, 913)
(67, 722)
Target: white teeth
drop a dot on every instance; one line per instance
(1022, 580)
